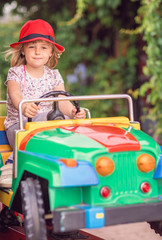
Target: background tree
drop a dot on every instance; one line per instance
(99, 57)
(150, 20)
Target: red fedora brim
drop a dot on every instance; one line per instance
(59, 47)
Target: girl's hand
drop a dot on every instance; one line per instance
(30, 109)
(79, 115)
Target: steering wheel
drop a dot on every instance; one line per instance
(56, 114)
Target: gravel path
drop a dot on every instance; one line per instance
(136, 231)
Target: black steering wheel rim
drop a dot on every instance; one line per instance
(55, 94)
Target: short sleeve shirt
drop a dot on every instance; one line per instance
(31, 88)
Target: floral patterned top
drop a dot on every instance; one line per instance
(31, 88)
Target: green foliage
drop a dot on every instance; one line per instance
(90, 32)
(109, 56)
(101, 36)
(8, 32)
(149, 16)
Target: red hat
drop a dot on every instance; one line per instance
(37, 29)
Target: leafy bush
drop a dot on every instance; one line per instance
(149, 17)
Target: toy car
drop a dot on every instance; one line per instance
(86, 173)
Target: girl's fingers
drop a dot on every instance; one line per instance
(73, 112)
(34, 106)
(80, 114)
(31, 109)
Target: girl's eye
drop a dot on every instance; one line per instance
(31, 46)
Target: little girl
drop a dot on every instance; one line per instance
(30, 76)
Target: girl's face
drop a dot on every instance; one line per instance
(37, 53)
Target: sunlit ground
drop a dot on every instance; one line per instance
(2, 110)
(2, 97)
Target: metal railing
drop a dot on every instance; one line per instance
(3, 101)
(79, 98)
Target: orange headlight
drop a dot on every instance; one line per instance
(105, 166)
(145, 163)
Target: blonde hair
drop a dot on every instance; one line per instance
(17, 57)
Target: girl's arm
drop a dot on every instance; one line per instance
(14, 91)
(67, 107)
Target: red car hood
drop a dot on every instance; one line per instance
(115, 139)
